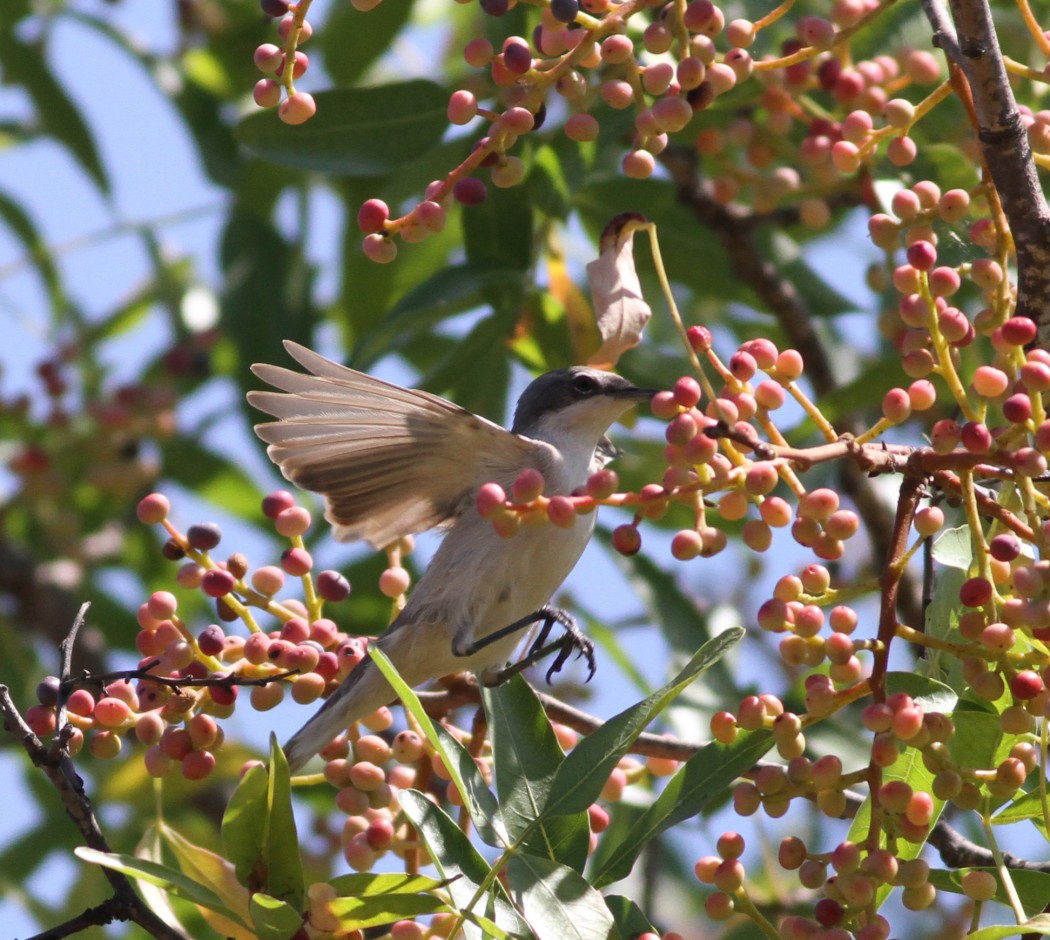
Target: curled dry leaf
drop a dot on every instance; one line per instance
(619, 307)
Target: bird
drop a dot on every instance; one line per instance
(391, 462)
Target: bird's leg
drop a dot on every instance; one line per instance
(572, 639)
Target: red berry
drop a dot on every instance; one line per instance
(975, 592)
(217, 582)
(371, 218)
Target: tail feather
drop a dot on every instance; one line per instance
(360, 694)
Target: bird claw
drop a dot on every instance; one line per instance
(572, 639)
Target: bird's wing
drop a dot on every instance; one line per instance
(389, 461)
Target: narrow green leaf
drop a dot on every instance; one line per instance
(526, 758)
(284, 868)
(149, 849)
(36, 248)
(25, 64)
(274, 919)
(557, 901)
(583, 774)
(460, 864)
(1037, 925)
(208, 869)
(484, 810)
(244, 827)
(356, 131)
(172, 881)
(706, 776)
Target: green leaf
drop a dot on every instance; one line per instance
(284, 869)
(244, 826)
(1032, 887)
(932, 695)
(356, 131)
(583, 773)
(445, 293)
(1038, 925)
(1028, 806)
(497, 234)
(706, 776)
(351, 40)
(172, 881)
(557, 901)
(274, 919)
(368, 900)
(208, 869)
(211, 477)
(484, 810)
(36, 248)
(460, 864)
(26, 65)
(820, 298)
(954, 548)
(526, 758)
(630, 918)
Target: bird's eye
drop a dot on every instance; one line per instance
(585, 384)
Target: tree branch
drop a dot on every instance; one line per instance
(972, 45)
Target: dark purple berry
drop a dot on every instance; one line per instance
(274, 8)
(212, 640)
(332, 586)
(517, 56)
(224, 611)
(47, 691)
(564, 11)
(172, 550)
(204, 536)
(275, 503)
(495, 7)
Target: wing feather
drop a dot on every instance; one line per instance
(389, 461)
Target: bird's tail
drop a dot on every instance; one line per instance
(360, 694)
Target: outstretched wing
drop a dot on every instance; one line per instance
(389, 461)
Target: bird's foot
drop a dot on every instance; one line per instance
(572, 640)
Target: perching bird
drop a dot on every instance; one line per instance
(392, 461)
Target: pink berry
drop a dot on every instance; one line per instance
(153, 509)
(393, 582)
(372, 216)
(379, 249)
(462, 107)
(626, 539)
(490, 497)
(297, 108)
(296, 561)
(217, 582)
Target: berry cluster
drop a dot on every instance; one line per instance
(665, 65)
(278, 89)
(186, 680)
